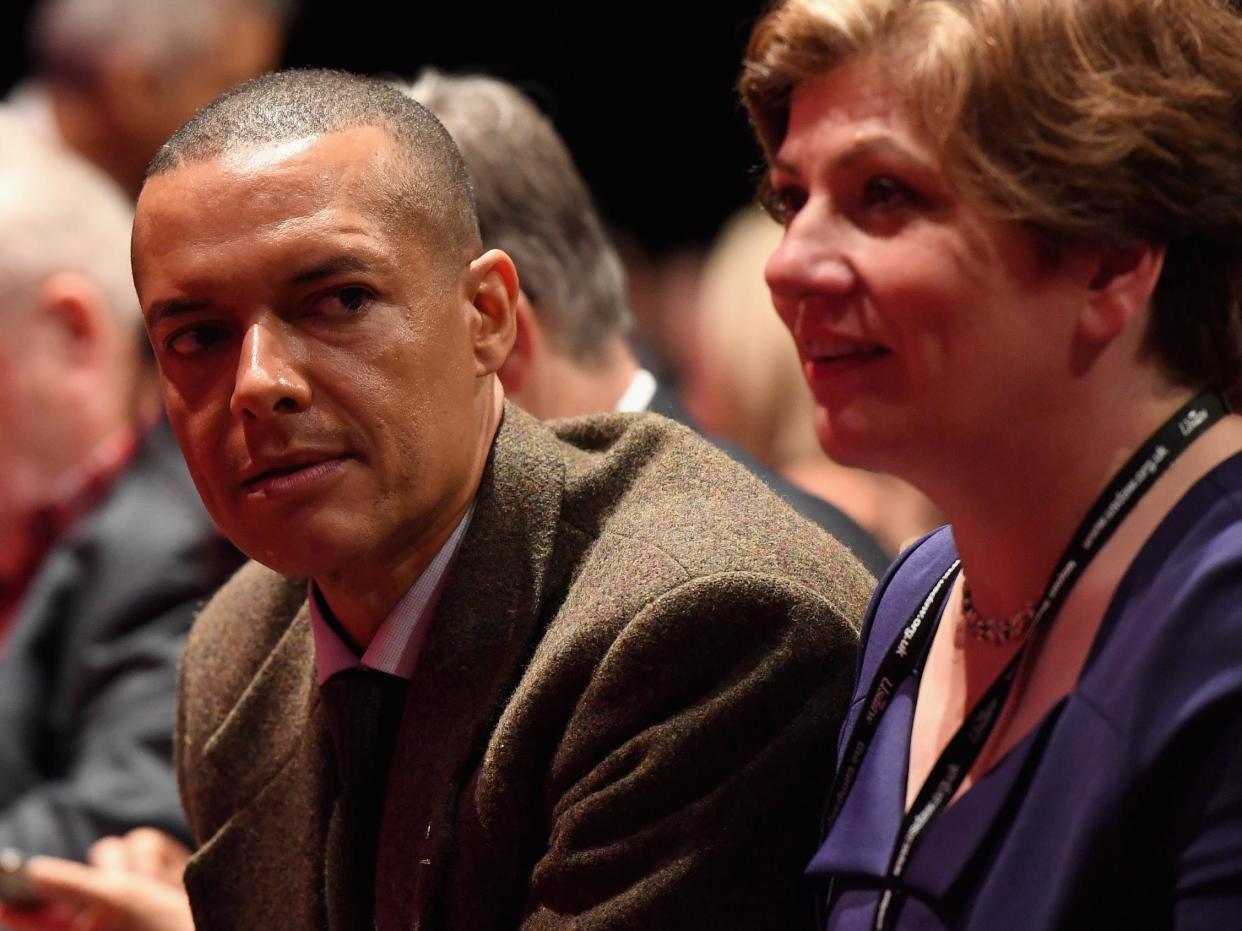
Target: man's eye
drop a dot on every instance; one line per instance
(783, 203)
(884, 192)
(353, 299)
(195, 339)
(341, 301)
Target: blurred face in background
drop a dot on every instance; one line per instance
(246, 45)
(917, 318)
(49, 392)
(132, 104)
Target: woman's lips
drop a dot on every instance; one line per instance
(829, 367)
(845, 354)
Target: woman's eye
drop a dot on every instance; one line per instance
(195, 339)
(884, 192)
(783, 203)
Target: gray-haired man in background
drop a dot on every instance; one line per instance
(572, 354)
(105, 550)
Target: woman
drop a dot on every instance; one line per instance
(1012, 266)
(744, 383)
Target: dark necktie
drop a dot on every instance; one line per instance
(364, 710)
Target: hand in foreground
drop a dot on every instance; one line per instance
(145, 851)
(134, 885)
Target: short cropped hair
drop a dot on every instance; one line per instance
(69, 37)
(428, 189)
(59, 213)
(534, 204)
(1106, 121)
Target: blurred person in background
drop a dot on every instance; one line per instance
(1012, 264)
(572, 354)
(744, 383)
(114, 78)
(105, 550)
(662, 287)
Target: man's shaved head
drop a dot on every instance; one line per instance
(427, 190)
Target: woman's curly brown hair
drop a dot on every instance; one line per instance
(1104, 121)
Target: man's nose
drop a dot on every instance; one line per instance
(811, 261)
(268, 380)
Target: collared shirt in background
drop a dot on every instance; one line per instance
(638, 395)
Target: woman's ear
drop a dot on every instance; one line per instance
(494, 294)
(1123, 281)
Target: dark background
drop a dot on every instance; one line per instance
(643, 94)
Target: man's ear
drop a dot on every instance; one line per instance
(1120, 289)
(493, 290)
(527, 346)
(76, 318)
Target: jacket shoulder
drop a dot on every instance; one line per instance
(662, 486)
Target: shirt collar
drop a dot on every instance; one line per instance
(397, 642)
(638, 395)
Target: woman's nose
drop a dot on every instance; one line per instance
(810, 260)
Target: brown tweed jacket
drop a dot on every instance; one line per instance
(624, 716)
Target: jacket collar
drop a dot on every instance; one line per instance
(486, 627)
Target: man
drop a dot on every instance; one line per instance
(105, 551)
(116, 77)
(625, 659)
(570, 355)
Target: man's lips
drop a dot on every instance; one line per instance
(291, 473)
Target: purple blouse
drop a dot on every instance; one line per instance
(1122, 808)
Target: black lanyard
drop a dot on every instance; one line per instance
(1123, 492)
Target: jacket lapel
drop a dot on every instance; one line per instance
(485, 628)
(266, 726)
(267, 765)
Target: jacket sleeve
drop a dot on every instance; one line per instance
(88, 675)
(688, 789)
(87, 715)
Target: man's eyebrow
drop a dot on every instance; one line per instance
(337, 265)
(175, 307)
